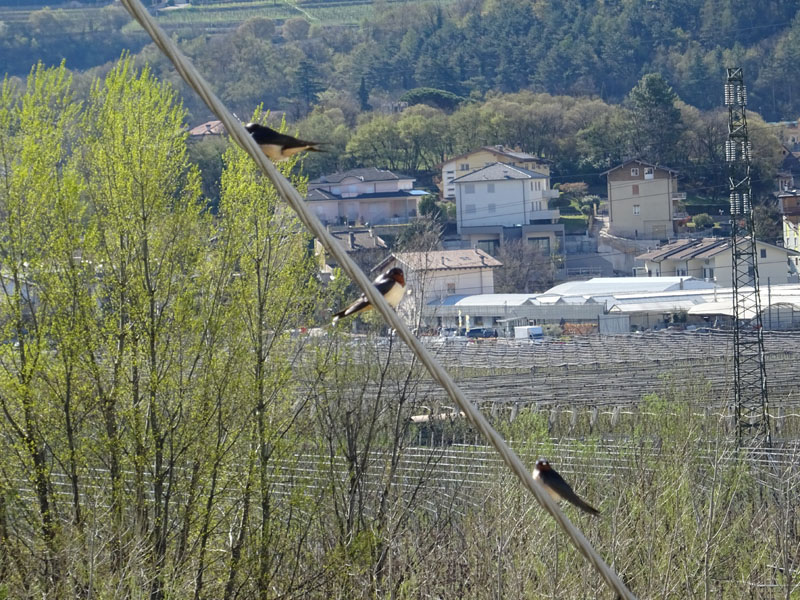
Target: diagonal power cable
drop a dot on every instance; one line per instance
(293, 198)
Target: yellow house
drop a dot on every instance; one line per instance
(464, 164)
(642, 200)
(710, 259)
(789, 205)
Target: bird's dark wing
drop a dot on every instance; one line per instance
(357, 306)
(565, 491)
(384, 284)
(265, 135)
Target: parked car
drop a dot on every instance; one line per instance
(480, 332)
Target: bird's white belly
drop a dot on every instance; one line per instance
(395, 295)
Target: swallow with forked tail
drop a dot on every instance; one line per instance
(557, 487)
(279, 146)
(391, 285)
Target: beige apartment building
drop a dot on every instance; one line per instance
(643, 200)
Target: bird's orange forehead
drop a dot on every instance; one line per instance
(397, 274)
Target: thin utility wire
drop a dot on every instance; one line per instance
(293, 198)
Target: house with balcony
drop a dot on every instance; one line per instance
(502, 202)
(467, 163)
(710, 259)
(643, 201)
(789, 170)
(364, 196)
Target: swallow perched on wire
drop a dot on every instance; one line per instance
(391, 285)
(557, 487)
(279, 146)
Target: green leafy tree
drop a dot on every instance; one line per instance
(145, 207)
(767, 223)
(363, 95)
(604, 142)
(38, 182)
(702, 221)
(377, 142)
(436, 98)
(656, 124)
(273, 290)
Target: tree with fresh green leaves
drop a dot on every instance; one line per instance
(40, 184)
(273, 291)
(146, 209)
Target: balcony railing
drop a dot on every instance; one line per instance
(544, 215)
(791, 211)
(681, 196)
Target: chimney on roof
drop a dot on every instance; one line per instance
(351, 240)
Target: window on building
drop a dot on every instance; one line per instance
(463, 167)
(708, 273)
(635, 190)
(763, 253)
(469, 188)
(636, 209)
(492, 208)
(634, 171)
(649, 173)
(680, 272)
(451, 288)
(490, 188)
(540, 243)
(469, 209)
(488, 246)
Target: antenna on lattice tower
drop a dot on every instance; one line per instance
(749, 368)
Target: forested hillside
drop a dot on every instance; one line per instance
(471, 47)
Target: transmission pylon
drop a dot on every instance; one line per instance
(749, 368)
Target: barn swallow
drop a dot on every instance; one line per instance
(557, 487)
(279, 146)
(391, 285)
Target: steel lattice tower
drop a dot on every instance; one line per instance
(749, 368)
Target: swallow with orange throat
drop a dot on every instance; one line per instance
(557, 487)
(391, 285)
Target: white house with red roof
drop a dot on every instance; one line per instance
(437, 274)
